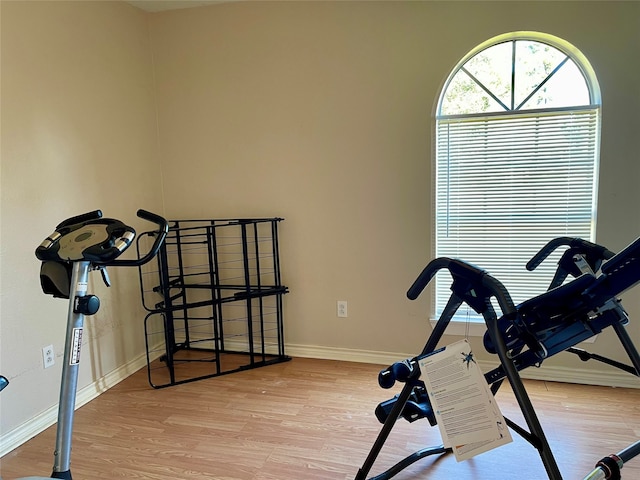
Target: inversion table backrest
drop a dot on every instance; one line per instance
(573, 312)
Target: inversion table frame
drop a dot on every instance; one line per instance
(522, 337)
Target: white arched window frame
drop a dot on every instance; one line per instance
(516, 161)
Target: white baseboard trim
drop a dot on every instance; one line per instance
(44, 420)
(608, 377)
(345, 354)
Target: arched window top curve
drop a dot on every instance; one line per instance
(517, 134)
(519, 71)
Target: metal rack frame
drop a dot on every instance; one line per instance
(219, 308)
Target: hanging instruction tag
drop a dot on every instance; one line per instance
(469, 419)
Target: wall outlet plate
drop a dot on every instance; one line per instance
(342, 308)
(48, 356)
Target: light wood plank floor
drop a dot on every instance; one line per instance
(312, 419)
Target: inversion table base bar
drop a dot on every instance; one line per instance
(413, 458)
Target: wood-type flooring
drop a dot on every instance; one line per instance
(313, 419)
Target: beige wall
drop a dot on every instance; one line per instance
(321, 113)
(78, 134)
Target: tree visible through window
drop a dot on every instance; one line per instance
(517, 141)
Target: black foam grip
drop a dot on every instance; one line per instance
(80, 219)
(457, 268)
(426, 275)
(152, 217)
(610, 467)
(386, 379)
(547, 250)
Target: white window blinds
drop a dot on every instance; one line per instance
(507, 184)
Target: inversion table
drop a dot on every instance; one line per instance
(522, 336)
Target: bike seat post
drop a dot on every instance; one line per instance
(71, 364)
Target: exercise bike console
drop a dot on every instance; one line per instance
(99, 240)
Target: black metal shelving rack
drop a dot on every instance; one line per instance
(214, 300)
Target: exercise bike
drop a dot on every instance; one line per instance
(77, 246)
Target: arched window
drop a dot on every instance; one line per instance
(517, 143)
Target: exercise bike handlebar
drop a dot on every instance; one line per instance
(100, 241)
(161, 233)
(80, 219)
(463, 270)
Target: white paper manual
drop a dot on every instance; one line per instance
(469, 419)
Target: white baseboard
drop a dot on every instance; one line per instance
(607, 378)
(44, 420)
(345, 354)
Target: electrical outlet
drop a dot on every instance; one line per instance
(48, 356)
(342, 308)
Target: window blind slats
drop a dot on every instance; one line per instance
(506, 186)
